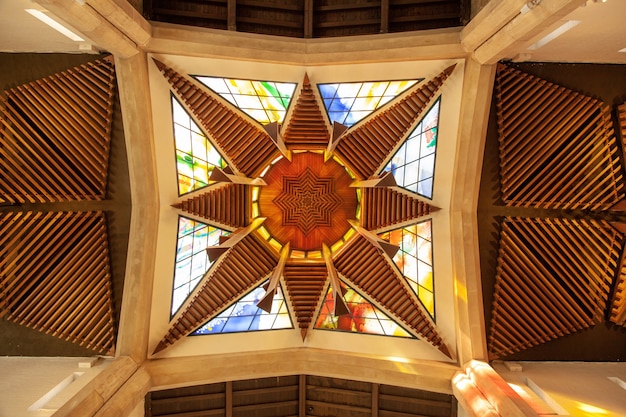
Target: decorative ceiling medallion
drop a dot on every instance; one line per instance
(307, 201)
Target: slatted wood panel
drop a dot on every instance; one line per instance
(248, 146)
(368, 144)
(286, 395)
(307, 127)
(243, 268)
(55, 276)
(319, 18)
(225, 204)
(617, 308)
(304, 283)
(382, 206)
(362, 264)
(621, 117)
(557, 147)
(553, 278)
(55, 135)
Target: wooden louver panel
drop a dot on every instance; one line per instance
(362, 264)
(55, 276)
(304, 283)
(242, 268)
(248, 146)
(621, 116)
(382, 206)
(223, 204)
(617, 309)
(54, 140)
(307, 127)
(553, 278)
(558, 149)
(368, 144)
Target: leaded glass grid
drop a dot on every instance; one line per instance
(245, 316)
(192, 261)
(413, 165)
(196, 156)
(348, 103)
(364, 317)
(264, 101)
(415, 260)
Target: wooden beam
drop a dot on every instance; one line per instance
(384, 16)
(375, 405)
(308, 19)
(228, 402)
(215, 252)
(231, 20)
(219, 175)
(384, 180)
(340, 307)
(381, 244)
(265, 303)
(302, 396)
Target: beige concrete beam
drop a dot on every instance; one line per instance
(93, 25)
(122, 15)
(473, 120)
(132, 76)
(512, 37)
(101, 389)
(489, 21)
(433, 44)
(124, 402)
(177, 372)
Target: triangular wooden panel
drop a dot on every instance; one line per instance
(553, 279)
(307, 126)
(366, 146)
(621, 117)
(243, 268)
(304, 282)
(55, 276)
(55, 140)
(384, 206)
(224, 204)
(558, 149)
(362, 264)
(248, 146)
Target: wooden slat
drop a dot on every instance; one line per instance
(55, 276)
(224, 204)
(55, 141)
(368, 144)
(364, 267)
(558, 149)
(553, 279)
(384, 206)
(249, 147)
(304, 283)
(307, 128)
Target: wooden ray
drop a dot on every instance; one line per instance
(384, 206)
(381, 244)
(248, 146)
(224, 205)
(214, 252)
(361, 264)
(340, 307)
(219, 175)
(265, 303)
(367, 145)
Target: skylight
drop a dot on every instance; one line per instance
(413, 165)
(195, 154)
(264, 101)
(348, 103)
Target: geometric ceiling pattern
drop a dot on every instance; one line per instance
(244, 260)
(55, 273)
(560, 259)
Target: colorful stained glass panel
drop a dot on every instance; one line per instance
(245, 316)
(192, 261)
(195, 154)
(348, 103)
(264, 101)
(364, 317)
(413, 165)
(415, 260)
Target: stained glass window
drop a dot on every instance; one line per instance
(195, 154)
(415, 260)
(264, 101)
(245, 316)
(347, 103)
(413, 166)
(192, 261)
(364, 317)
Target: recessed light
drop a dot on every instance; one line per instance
(554, 34)
(54, 24)
(622, 50)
